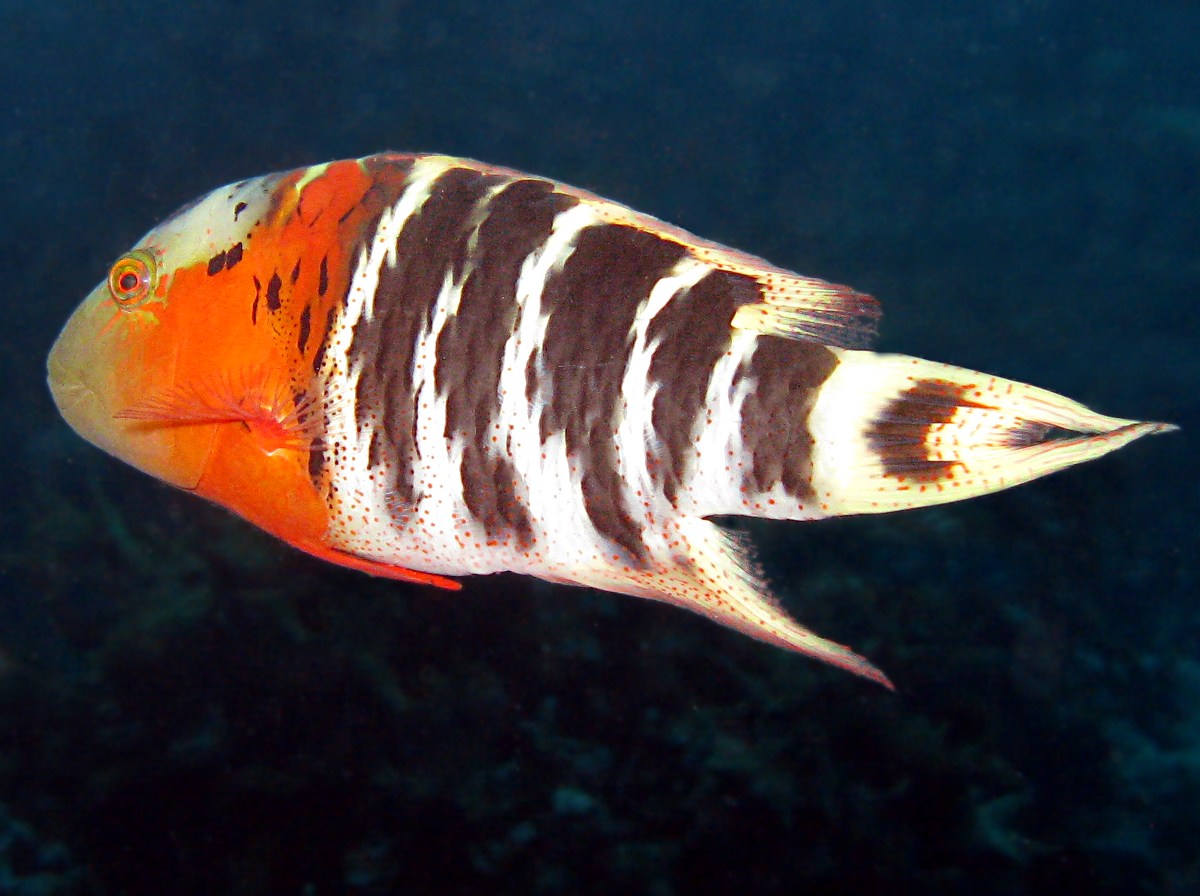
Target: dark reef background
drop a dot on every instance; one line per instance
(188, 707)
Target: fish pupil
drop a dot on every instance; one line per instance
(128, 281)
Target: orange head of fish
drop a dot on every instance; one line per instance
(192, 360)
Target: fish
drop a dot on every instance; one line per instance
(424, 367)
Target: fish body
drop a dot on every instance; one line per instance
(422, 366)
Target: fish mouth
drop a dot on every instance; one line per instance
(81, 403)
(90, 406)
(75, 399)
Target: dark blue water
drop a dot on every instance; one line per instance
(188, 707)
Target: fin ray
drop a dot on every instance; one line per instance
(375, 568)
(712, 576)
(797, 307)
(793, 306)
(267, 406)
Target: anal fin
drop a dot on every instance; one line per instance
(712, 577)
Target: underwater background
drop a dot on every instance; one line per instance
(187, 706)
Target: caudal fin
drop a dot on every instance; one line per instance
(893, 432)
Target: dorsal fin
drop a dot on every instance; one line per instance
(793, 306)
(797, 307)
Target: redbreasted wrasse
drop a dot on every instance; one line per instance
(421, 366)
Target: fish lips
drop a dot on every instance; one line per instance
(92, 378)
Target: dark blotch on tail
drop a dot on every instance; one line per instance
(1030, 433)
(899, 433)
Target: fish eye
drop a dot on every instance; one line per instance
(131, 280)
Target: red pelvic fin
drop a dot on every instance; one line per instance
(374, 568)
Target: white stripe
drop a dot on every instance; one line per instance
(446, 522)
(555, 500)
(387, 235)
(437, 467)
(856, 393)
(718, 459)
(364, 282)
(530, 327)
(357, 495)
(479, 214)
(635, 428)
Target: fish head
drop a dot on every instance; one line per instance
(169, 325)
